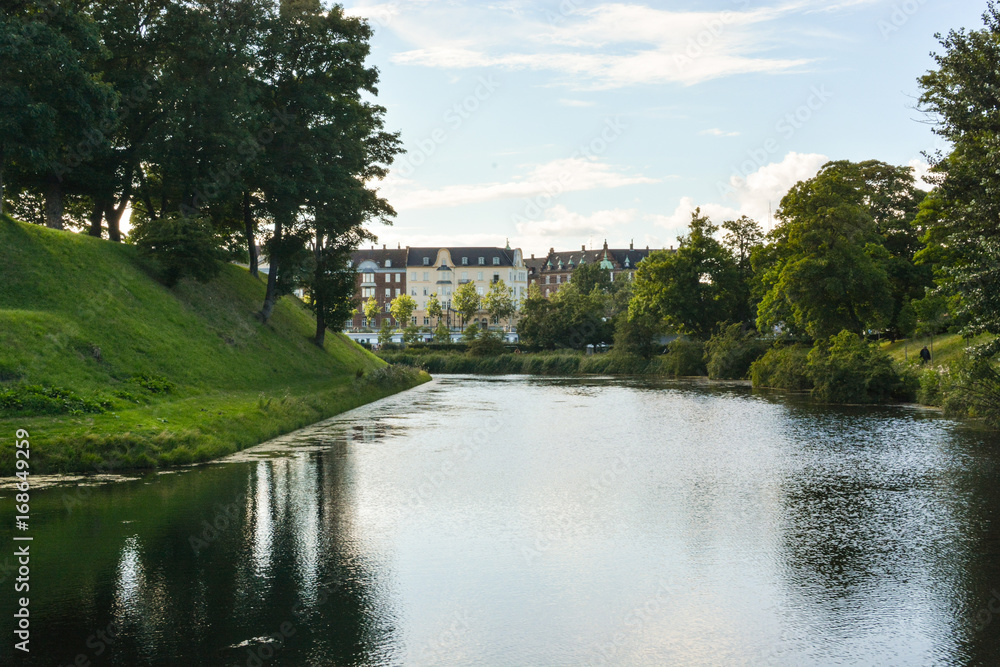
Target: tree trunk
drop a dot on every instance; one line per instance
(271, 296)
(114, 216)
(250, 232)
(95, 220)
(320, 337)
(53, 204)
(3, 164)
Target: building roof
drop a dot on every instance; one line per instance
(416, 256)
(396, 257)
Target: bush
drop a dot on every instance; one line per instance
(38, 400)
(487, 344)
(471, 333)
(684, 357)
(782, 367)
(729, 353)
(846, 369)
(179, 247)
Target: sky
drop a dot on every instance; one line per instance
(566, 123)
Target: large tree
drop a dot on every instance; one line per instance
(961, 95)
(824, 270)
(691, 290)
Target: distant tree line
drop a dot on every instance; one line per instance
(221, 124)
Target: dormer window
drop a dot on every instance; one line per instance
(482, 260)
(427, 261)
(388, 263)
(496, 261)
(465, 261)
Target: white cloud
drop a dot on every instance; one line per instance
(716, 132)
(560, 221)
(607, 46)
(546, 181)
(756, 196)
(920, 170)
(576, 103)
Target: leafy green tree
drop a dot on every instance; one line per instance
(434, 308)
(824, 270)
(691, 290)
(960, 96)
(467, 301)
(588, 276)
(371, 310)
(743, 237)
(402, 308)
(332, 288)
(385, 332)
(499, 301)
(441, 333)
(51, 93)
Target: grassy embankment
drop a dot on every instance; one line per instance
(947, 348)
(106, 368)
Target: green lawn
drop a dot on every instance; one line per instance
(944, 348)
(187, 373)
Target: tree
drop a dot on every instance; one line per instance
(961, 96)
(743, 237)
(402, 308)
(691, 290)
(467, 302)
(434, 308)
(332, 288)
(824, 270)
(51, 93)
(371, 310)
(586, 277)
(499, 301)
(180, 246)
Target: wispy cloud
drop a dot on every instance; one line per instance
(555, 177)
(608, 46)
(716, 132)
(576, 103)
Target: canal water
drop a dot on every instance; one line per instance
(534, 521)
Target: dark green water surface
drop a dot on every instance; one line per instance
(529, 521)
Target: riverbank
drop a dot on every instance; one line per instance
(544, 363)
(108, 369)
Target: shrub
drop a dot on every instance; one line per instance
(38, 400)
(179, 246)
(487, 344)
(782, 367)
(156, 384)
(729, 353)
(684, 357)
(470, 333)
(846, 369)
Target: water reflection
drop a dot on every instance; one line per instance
(537, 521)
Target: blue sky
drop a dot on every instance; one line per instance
(564, 123)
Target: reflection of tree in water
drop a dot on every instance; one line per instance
(888, 538)
(216, 566)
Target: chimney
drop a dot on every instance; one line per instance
(398, 246)
(383, 246)
(583, 248)
(552, 251)
(631, 244)
(532, 255)
(647, 248)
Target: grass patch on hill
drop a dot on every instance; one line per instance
(106, 367)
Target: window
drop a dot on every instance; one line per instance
(479, 291)
(426, 276)
(546, 291)
(388, 307)
(480, 276)
(364, 321)
(427, 261)
(367, 292)
(388, 292)
(397, 291)
(427, 321)
(558, 279)
(413, 292)
(465, 261)
(388, 263)
(547, 282)
(496, 277)
(414, 320)
(413, 276)
(425, 291)
(496, 261)
(399, 277)
(482, 260)
(368, 277)
(465, 275)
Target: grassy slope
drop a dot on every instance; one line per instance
(235, 382)
(947, 348)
